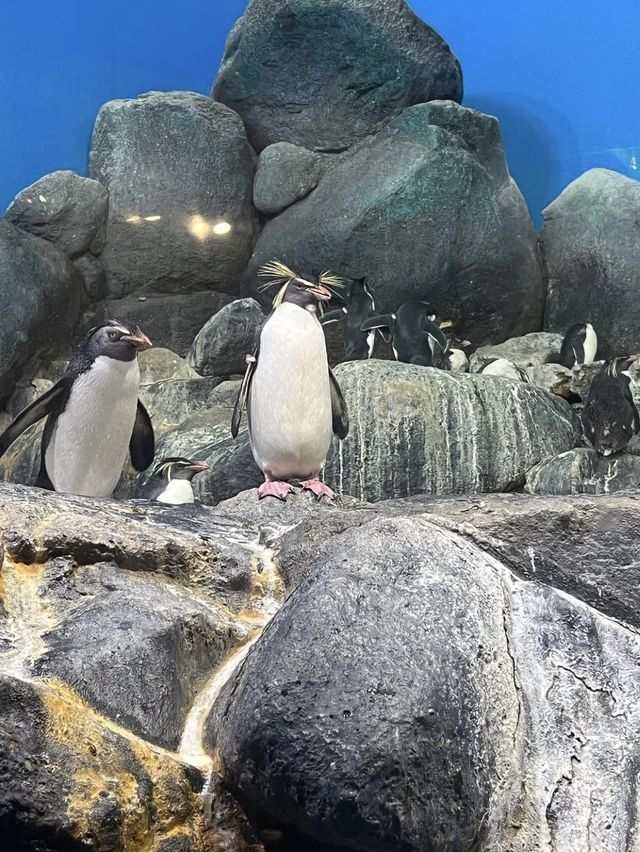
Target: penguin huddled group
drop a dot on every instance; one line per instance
(94, 416)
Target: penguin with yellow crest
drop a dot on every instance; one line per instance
(294, 403)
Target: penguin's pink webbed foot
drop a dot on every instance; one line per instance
(318, 488)
(275, 488)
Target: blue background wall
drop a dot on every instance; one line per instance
(561, 76)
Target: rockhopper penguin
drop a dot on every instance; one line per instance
(171, 481)
(414, 334)
(93, 415)
(610, 417)
(293, 400)
(358, 344)
(579, 346)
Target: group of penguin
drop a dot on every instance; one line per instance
(293, 401)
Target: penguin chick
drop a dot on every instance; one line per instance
(171, 481)
(93, 415)
(293, 400)
(457, 361)
(579, 346)
(504, 369)
(610, 417)
(358, 345)
(415, 336)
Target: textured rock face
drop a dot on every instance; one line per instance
(336, 73)
(285, 174)
(583, 471)
(347, 726)
(592, 254)
(41, 299)
(170, 321)
(176, 165)
(421, 430)
(171, 402)
(223, 342)
(424, 210)
(93, 274)
(530, 350)
(65, 209)
(161, 365)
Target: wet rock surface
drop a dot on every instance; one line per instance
(437, 170)
(336, 73)
(530, 350)
(591, 252)
(583, 471)
(65, 209)
(417, 429)
(166, 199)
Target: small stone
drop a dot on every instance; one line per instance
(285, 174)
(221, 346)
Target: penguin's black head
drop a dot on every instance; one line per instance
(179, 468)
(297, 289)
(306, 297)
(116, 339)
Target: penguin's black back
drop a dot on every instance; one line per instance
(410, 339)
(361, 307)
(572, 350)
(610, 417)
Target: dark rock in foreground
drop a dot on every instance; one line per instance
(336, 72)
(41, 299)
(592, 255)
(425, 210)
(178, 168)
(421, 430)
(65, 209)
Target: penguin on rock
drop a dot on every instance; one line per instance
(579, 346)
(358, 344)
(503, 369)
(610, 417)
(294, 403)
(171, 481)
(93, 415)
(415, 336)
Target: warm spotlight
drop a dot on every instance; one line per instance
(221, 229)
(198, 228)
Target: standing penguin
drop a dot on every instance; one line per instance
(93, 415)
(415, 336)
(358, 344)
(293, 400)
(579, 346)
(171, 481)
(610, 417)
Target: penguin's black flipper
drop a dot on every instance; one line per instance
(142, 443)
(243, 393)
(383, 323)
(339, 413)
(334, 316)
(435, 333)
(51, 401)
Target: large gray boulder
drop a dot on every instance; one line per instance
(583, 471)
(335, 74)
(179, 172)
(222, 344)
(65, 209)
(425, 210)
(41, 300)
(415, 694)
(530, 350)
(285, 174)
(422, 430)
(592, 255)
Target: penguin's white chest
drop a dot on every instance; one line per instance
(90, 442)
(289, 412)
(177, 492)
(590, 344)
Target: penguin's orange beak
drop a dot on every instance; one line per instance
(199, 466)
(321, 293)
(139, 340)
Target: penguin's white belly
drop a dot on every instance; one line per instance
(290, 420)
(90, 442)
(590, 345)
(177, 492)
